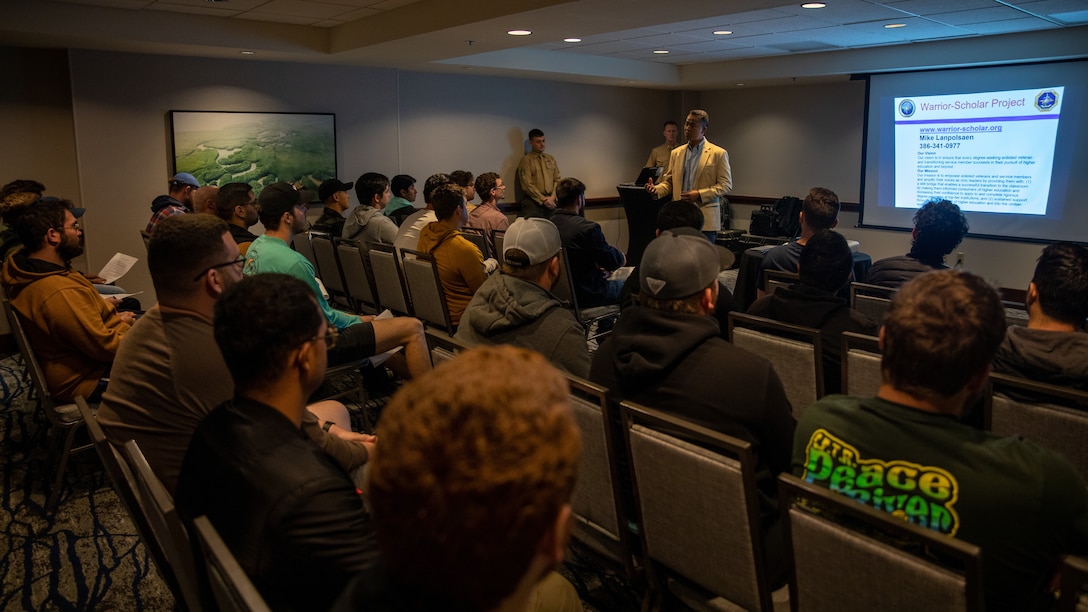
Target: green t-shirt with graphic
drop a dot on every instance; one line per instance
(1023, 505)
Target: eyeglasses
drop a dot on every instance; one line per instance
(240, 260)
(331, 334)
(75, 226)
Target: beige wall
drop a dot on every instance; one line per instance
(97, 131)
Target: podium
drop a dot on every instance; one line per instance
(641, 210)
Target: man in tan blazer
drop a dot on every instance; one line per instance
(697, 173)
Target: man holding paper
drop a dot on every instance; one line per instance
(74, 332)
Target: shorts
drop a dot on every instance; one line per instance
(354, 343)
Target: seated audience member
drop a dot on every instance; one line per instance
(487, 215)
(169, 374)
(283, 213)
(589, 255)
(401, 205)
(1053, 348)
(237, 205)
(285, 509)
(177, 202)
(683, 217)
(461, 267)
(820, 211)
(204, 199)
(73, 330)
(408, 233)
(464, 180)
(1023, 505)
(13, 197)
(488, 531)
(516, 308)
(666, 353)
(334, 195)
(367, 223)
(827, 265)
(939, 226)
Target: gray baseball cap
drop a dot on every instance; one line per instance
(677, 266)
(536, 237)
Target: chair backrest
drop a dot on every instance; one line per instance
(598, 500)
(124, 485)
(1074, 584)
(794, 351)
(158, 509)
(358, 281)
(773, 280)
(428, 298)
(301, 244)
(833, 540)
(698, 506)
(563, 290)
(58, 414)
(442, 346)
(478, 237)
(1016, 313)
(860, 365)
(497, 238)
(231, 587)
(328, 266)
(872, 301)
(388, 279)
(1051, 416)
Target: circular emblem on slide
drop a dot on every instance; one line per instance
(906, 108)
(1046, 100)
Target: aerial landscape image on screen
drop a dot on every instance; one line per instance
(255, 148)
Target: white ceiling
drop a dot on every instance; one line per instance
(771, 41)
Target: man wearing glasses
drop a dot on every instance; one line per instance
(697, 173)
(283, 214)
(178, 202)
(74, 332)
(487, 215)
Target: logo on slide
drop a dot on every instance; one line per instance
(907, 108)
(1046, 100)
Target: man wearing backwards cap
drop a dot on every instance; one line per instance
(178, 202)
(282, 212)
(516, 308)
(665, 352)
(334, 195)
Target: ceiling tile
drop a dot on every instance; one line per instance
(126, 4)
(615, 46)
(196, 10)
(250, 15)
(665, 40)
(300, 8)
(1012, 25)
(996, 13)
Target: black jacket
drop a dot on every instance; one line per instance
(292, 517)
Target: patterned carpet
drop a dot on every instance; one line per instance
(88, 556)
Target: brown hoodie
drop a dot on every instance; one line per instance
(75, 333)
(460, 265)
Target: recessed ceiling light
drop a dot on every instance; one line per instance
(661, 51)
(740, 84)
(572, 40)
(813, 5)
(519, 32)
(722, 32)
(248, 52)
(892, 26)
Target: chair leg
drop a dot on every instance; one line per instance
(54, 493)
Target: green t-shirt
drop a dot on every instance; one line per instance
(270, 254)
(1023, 505)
